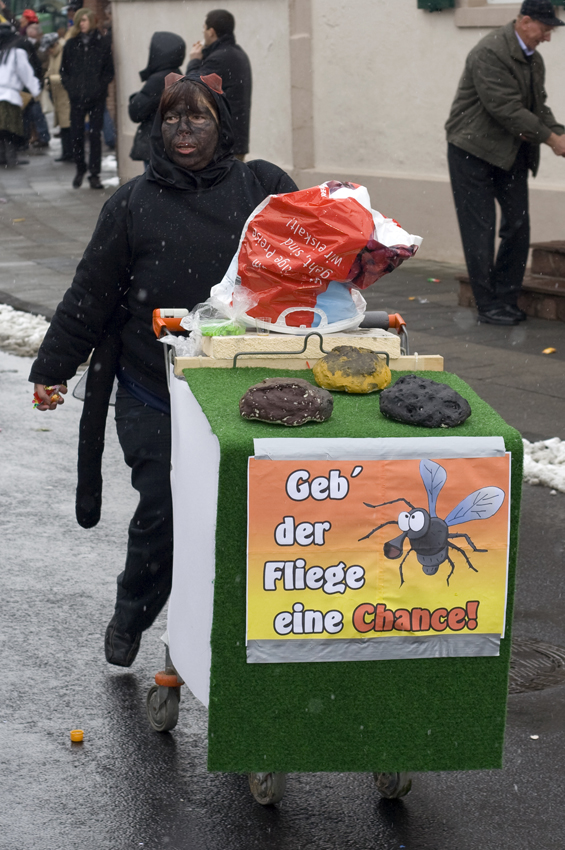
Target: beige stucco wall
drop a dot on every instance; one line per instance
(376, 76)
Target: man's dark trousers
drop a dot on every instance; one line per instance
(476, 184)
(95, 111)
(145, 583)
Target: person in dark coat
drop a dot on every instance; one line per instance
(86, 71)
(166, 54)
(498, 120)
(165, 238)
(33, 113)
(219, 54)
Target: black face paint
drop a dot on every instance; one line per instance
(190, 137)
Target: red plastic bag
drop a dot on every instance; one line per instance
(295, 246)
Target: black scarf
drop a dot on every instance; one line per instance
(162, 170)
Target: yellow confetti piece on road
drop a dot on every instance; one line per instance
(411, 297)
(549, 351)
(16, 220)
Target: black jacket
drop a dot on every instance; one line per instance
(32, 50)
(87, 67)
(226, 58)
(166, 54)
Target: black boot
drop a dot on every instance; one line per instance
(10, 153)
(94, 181)
(120, 647)
(66, 146)
(77, 180)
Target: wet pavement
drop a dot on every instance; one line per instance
(127, 786)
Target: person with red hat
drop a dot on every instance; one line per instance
(498, 121)
(28, 17)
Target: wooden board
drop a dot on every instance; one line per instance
(410, 362)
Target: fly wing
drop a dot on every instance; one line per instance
(481, 504)
(434, 477)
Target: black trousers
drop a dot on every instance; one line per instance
(476, 185)
(95, 111)
(145, 583)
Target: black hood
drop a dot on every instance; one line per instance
(8, 39)
(162, 170)
(166, 52)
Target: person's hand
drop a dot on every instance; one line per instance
(557, 144)
(45, 402)
(195, 50)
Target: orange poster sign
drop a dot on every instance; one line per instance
(377, 549)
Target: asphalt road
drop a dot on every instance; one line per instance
(127, 786)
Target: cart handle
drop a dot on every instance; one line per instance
(168, 319)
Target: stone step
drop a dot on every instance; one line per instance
(548, 259)
(541, 297)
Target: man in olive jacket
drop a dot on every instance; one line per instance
(498, 121)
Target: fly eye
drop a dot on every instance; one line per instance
(404, 521)
(416, 521)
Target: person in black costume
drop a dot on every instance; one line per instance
(219, 54)
(87, 70)
(165, 238)
(166, 54)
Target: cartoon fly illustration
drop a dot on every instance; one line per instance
(428, 534)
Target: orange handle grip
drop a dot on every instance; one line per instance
(165, 320)
(395, 320)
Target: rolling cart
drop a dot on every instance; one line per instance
(391, 716)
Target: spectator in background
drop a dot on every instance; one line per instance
(167, 52)
(6, 14)
(27, 17)
(16, 74)
(35, 123)
(498, 121)
(86, 71)
(219, 54)
(60, 98)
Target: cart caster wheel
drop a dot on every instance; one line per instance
(393, 785)
(267, 788)
(163, 707)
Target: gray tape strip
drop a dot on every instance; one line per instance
(373, 448)
(372, 649)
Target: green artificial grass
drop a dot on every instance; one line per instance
(402, 715)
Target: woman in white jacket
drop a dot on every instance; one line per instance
(16, 74)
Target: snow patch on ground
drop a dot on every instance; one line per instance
(109, 162)
(21, 333)
(544, 463)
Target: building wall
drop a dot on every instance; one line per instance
(352, 89)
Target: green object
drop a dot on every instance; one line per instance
(222, 328)
(382, 716)
(436, 5)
